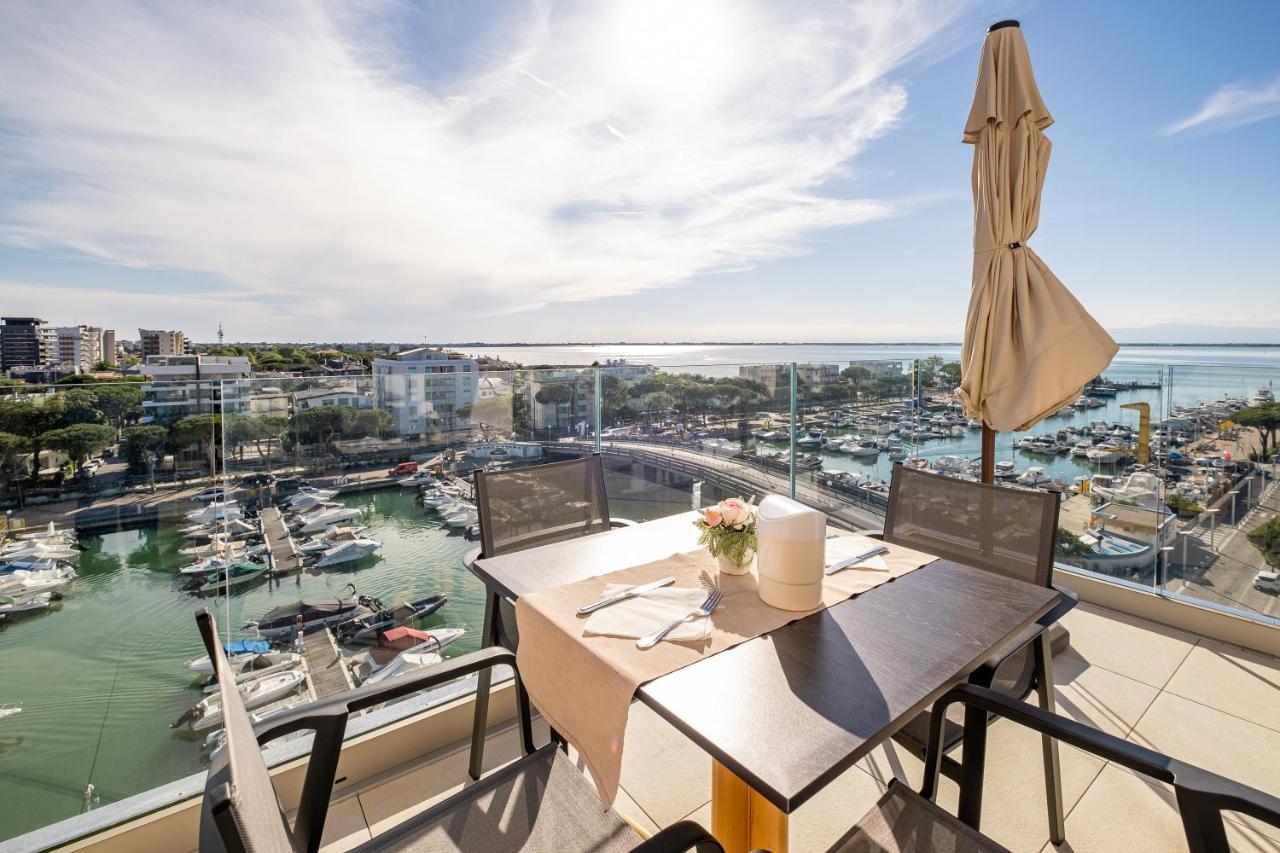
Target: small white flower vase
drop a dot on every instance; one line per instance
(729, 567)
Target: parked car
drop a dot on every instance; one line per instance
(289, 485)
(216, 493)
(258, 480)
(1267, 582)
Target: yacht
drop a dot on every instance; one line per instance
(327, 517)
(1006, 470)
(1080, 450)
(1033, 476)
(1104, 454)
(347, 551)
(862, 449)
(952, 465)
(1263, 397)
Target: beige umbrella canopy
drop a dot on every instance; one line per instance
(1029, 346)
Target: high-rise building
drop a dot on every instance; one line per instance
(109, 347)
(78, 347)
(25, 342)
(156, 342)
(424, 388)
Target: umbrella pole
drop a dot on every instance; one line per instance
(988, 454)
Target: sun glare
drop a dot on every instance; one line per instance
(674, 54)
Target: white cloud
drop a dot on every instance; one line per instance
(288, 150)
(1233, 105)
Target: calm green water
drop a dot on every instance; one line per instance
(101, 676)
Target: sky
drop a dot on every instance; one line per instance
(620, 170)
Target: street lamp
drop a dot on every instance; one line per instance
(1234, 493)
(1213, 516)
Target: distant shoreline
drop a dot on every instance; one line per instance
(528, 345)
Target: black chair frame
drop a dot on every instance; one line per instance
(327, 719)
(1202, 796)
(1035, 635)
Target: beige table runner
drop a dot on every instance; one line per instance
(583, 684)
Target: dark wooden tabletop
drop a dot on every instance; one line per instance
(790, 711)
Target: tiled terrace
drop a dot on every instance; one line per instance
(1206, 702)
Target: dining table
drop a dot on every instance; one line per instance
(786, 713)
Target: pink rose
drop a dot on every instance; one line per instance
(735, 512)
(713, 516)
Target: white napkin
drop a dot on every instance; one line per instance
(642, 615)
(845, 547)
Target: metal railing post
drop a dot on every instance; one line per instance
(598, 385)
(794, 410)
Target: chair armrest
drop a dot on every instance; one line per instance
(328, 719)
(622, 522)
(680, 837)
(871, 534)
(360, 698)
(1202, 795)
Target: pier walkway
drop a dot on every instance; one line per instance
(328, 674)
(284, 555)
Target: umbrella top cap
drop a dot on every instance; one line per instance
(1000, 25)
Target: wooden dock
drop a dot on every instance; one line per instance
(327, 672)
(284, 555)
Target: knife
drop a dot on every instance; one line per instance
(857, 558)
(625, 594)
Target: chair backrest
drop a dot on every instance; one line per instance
(1004, 530)
(240, 811)
(524, 507)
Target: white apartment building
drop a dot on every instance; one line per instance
(159, 342)
(424, 388)
(183, 385)
(78, 347)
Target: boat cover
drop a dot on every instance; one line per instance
(309, 608)
(240, 647)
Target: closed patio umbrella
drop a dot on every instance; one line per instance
(1029, 347)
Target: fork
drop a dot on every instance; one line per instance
(704, 610)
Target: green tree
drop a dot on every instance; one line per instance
(200, 431)
(14, 450)
(614, 399)
(79, 441)
(119, 404)
(1264, 419)
(358, 423)
(1067, 544)
(951, 373)
(268, 430)
(1266, 538)
(144, 447)
(318, 426)
(555, 394)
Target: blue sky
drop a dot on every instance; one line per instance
(650, 170)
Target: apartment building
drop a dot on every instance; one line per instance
(424, 388)
(78, 347)
(26, 342)
(157, 342)
(184, 385)
(560, 401)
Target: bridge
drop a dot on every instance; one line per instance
(854, 509)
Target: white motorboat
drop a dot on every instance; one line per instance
(231, 529)
(1033, 476)
(288, 662)
(255, 693)
(24, 603)
(242, 655)
(9, 711)
(236, 575)
(1104, 454)
(462, 518)
(347, 552)
(309, 496)
(402, 650)
(1141, 487)
(328, 539)
(1005, 469)
(327, 517)
(1263, 397)
(404, 663)
(48, 533)
(952, 465)
(228, 555)
(309, 502)
(215, 512)
(864, 449)
(24, 582)
(37, 550)
(1080, 450)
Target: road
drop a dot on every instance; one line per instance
(1221, 561)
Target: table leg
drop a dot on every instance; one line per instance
(741, 819)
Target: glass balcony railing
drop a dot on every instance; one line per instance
(1160, 474)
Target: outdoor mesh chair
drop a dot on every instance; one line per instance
(1003, 530)
(540, 802)
(523, 508)
(906, 822)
